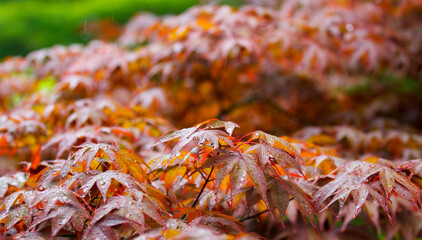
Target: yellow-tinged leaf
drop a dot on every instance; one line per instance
(190, 212)
(170, 233)
(417, 180)
(178, 33)
(322, 140)
(93, 164)
(134, 157)
(204, 23)
(34, 179)
(162, 199)
(372, 159)
(46, 84)
(133, 167)
(243, 147)
(169, 177)
(326, 167)
(387, 180)
(239, 197)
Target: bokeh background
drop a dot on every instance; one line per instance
(27, 25)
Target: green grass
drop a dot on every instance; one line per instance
(34, 24)
(404, 86)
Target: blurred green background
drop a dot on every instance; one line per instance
(27, 25)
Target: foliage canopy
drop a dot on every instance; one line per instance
(123, 140)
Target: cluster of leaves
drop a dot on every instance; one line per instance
(93, 127)
(209, 183)
(352, 143)
(279, 63)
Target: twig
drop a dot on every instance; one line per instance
(260, 213)
(203, 187)
(253, 216)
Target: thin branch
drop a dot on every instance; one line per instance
(203, 188)
(260, 213)
(253, 216)
(202, 175)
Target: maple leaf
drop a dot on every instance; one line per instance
(302, 199)
(53, 60)
(187, 132)
(150, 97)
(130, 210)
(98, 56)
(200, 218)
(16, 180)
(413, 166)
(62, 216)
(198, 232)
(238, 165)
(22, 205)
(133, 30)
(278, 196)
(366, 51)
(129, 161)
(20, 126)
(89, 151)
(103, 181)
(219, 223)
(364, 179)
(16, 207)
(206, 137)
(49, 198)
(103, 228)
(32, 127)
(77, 83)
(89, 111)
(280, 150)
(316, 58)
(49, 176)
(85, 115)
(86, 154)
(14, 215)
(66, 141)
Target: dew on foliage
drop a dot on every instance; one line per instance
(113, 97)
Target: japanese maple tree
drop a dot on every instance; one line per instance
(291, 120)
